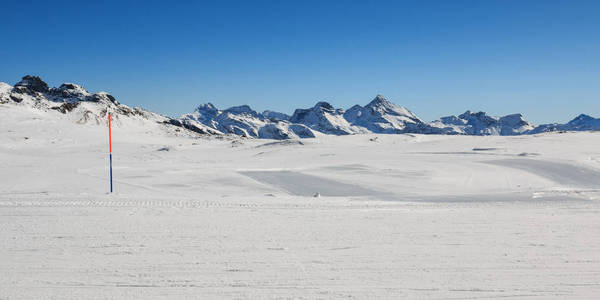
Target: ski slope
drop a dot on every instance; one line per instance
(223, 217)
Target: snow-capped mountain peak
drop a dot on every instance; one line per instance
(478, 119)
(325, 106)
(325, 118)
(203, 113)
(480, 123)
(382, 106)
(381, 103)
(206, 106)
(382, 116)
(379, 99)
(243, 110)
(70, 92)
(582, 119)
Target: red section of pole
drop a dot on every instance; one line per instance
(110, 153)
(109, 136)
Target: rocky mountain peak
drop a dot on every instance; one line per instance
(325, 106)
(33, 83)
(379, 100)
(269, 114)
(477, 117)
(242, 109)
(206, 106)
(70, 91)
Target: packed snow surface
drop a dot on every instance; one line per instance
(372, 216)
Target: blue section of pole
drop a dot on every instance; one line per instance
(111, 185)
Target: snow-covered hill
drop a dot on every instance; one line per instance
(75, 103)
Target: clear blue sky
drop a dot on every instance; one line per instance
(541, 58)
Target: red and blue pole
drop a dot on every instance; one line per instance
(110, 152)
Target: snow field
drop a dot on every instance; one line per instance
(412, 216)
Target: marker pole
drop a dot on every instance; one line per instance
(110, 152)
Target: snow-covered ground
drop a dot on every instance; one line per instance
(399, 216)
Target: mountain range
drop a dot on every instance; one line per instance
(378, 116)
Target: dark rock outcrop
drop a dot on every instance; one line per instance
(33, 83)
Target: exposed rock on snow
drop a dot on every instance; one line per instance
(282, 143)
(70, 92)
(192, 125)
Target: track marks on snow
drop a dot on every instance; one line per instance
(125, 203)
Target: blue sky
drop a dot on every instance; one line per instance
(540, 58)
